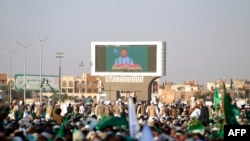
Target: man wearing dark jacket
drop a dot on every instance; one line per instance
(204, 116)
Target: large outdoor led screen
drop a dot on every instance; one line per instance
(127, 58)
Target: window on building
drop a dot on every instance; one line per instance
(70, 83)
(83, 84)
(89, 90)
(77, 84)
(95, 90)
(182, 96)
(64, 84)
(70, 90)
(89, 83)
(96, 83)
(64, 90)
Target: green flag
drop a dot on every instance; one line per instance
(221, 131)
(195, 126)
(228, 109)
(235, 110)
(248, 115)
(60, 132)
(111, 121)
(216, 99)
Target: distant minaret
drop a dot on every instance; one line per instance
(231, 83)
(225, 80)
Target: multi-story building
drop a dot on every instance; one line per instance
(73, 86)
(85, 85)
(143, 87)
(172, 92)
(3, 79)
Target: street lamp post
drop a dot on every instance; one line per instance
(10, 81)
(25, 85)
(82, 65)
(41, 42)
(59, 55)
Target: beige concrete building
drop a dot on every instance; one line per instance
(3, 79)
(124, 86)
(170, 93)
(86, 85)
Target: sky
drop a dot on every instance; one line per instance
(206, 40)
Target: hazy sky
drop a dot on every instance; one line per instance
(206, 40)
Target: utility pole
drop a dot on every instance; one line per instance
(82, 65)
(41, 42)
(59, 55)
(25, 83)
(10, 81)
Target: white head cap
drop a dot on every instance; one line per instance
(20, 102)
(101, 100)
(46, 135)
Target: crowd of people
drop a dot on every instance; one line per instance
(88, 121)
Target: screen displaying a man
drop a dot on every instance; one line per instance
(124, 59)
(124, 63)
